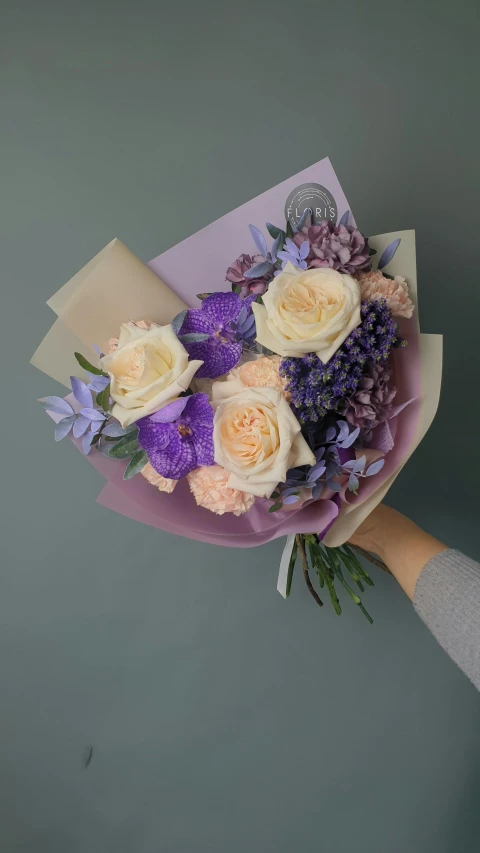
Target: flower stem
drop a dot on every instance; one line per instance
(303, 557)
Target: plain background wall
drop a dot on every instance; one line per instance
(223, 718)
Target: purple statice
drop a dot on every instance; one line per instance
(293, 254)
(179, 437)
(316, 388)
(340, 247)
(215, 332)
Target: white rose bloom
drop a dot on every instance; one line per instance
(308, 311)
(257, 439)
(147, 370)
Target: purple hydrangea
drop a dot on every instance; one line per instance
(372, 402)
(215, 332)
(340, 247)
(316, 388)
(179, 437)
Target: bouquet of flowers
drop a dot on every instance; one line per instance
(265, 377)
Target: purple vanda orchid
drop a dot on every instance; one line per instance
(214, 332)
(179, 437)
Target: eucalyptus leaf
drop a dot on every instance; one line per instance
(274, 231)
(388, 254)
(115, 430)
(259, 270)
(177, 321)
(193, 337)
(345, 218)
(136, 464)
(63, 427)
(258, 239)
(125, 447)
(57, 405)
(277, 245)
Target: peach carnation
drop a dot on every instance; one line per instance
(209, 488)
(374, 285)
(261, 373)
(163, 484)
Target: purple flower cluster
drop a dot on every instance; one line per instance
(179, 437)
(316, 388)
(215, 332)
(340, 247)
(372, 402)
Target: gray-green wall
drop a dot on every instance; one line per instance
(222, 718)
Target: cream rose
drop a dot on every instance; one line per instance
(147, 369)
(257, 439)
(308, 311)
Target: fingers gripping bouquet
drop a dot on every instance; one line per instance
(282, 400)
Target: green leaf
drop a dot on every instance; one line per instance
(275, 507)
(103, 398)
(332, 556)
(274, 231)
(193, 337)
(135, 465)
(125, 447)
(202, 296)
(87, 366)
(289, 231)
(291, 566)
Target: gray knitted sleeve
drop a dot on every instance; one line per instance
(447, 598)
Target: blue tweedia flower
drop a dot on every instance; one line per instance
(85, 424)
(179, 437)
(215, 332)
(316, 388)
(295, 255)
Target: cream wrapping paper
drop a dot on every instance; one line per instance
(115, 286)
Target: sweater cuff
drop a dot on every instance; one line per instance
(447, 599)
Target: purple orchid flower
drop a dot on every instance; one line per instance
(86, 423)
(214, 333)
(293, 254)
(179, 437)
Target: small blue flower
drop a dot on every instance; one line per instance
(86, 423)
(292, 254)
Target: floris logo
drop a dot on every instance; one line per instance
(321, 203)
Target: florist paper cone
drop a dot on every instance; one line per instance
(55, 355)
(211, 251)
(113, 287)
